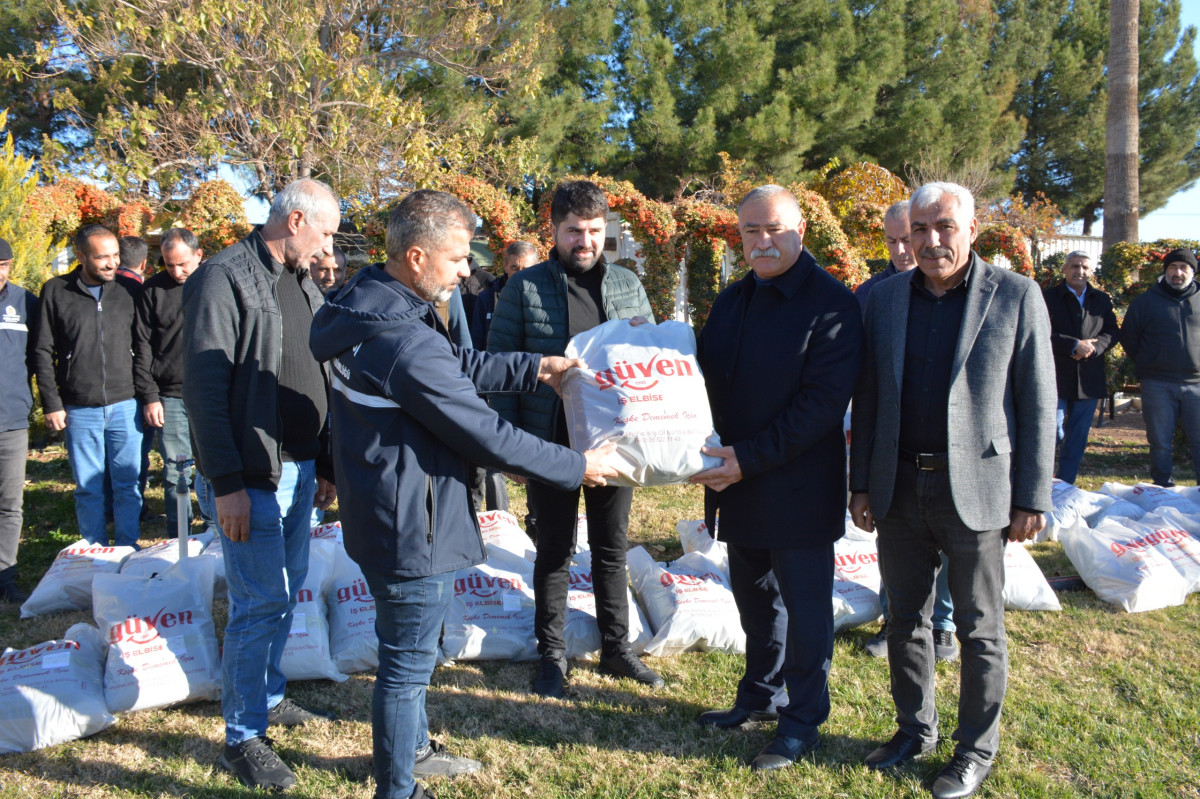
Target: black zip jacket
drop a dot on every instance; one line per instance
(84, 350)
(158, 339)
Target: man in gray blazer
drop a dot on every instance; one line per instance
(953, 448)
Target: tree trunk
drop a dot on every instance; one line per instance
(1121, 130)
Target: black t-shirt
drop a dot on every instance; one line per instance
(302, 401)
(585, 308)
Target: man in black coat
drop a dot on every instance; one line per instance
(1082, 328)
(781, 352)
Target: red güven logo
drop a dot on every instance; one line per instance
(144, 629)
(642, 376)
(1119, 548)
(485, 585)
(356, 591)
(26, 655)
(849, 564)
(690, 580)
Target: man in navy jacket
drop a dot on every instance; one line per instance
(780, 354)
(407, 419)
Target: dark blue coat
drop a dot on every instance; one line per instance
(18, 324)
(406, 418)
(780, 362)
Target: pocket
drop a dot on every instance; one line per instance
(1001, 445)
(430, 509)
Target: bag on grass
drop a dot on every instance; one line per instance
(1120, 510)
(1138, 578)
(694, 537)
(856, 579)
(1167, 531)
(1148, 496)
(1025, 587)
(328, 532)
(159, 557)
(214, 551)
(689, 604)
(491, 614)
(162, 645)
(306, 655)
(352, 640)
(53, 692)
(642, 390)
(581, 631)
(67, 584)
(1071, 504)
(501, 530)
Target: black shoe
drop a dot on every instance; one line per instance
(551, 675)
(961, 777)
(435, 761)
(256, 765)
(736, 718)
(626, 664)
(783, 752)
(290, 713)
(11, 592)
(421, 792)
(902, 748)
(876, 645)
(945, 645)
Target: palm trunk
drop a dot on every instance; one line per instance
(1121, 131)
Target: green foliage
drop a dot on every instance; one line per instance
(33, 248)
(216, 215)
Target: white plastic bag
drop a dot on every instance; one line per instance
(581, 631)
(491, 614)
(1025, 587)
(856, 579)
(159, 557)
(67, 584)
(689, 604)
(1148, 496)
(1167, 531)
(53, 692)
(328, 532)
(642, 390)
(1071, 504)
(306, 655)
(162, 646)
(214, 551)
(352, 640)
(501, 530)
(1138, 578)
(694, 537)
(1120, 510)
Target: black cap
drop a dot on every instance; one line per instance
(1182, 254)
(5, 251)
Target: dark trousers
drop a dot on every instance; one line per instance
(14, 449)
(921, 523)
(782, 597)
(607, 525)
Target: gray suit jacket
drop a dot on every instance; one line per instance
(1002, 398)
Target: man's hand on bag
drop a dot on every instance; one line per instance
(638, 320)
(860, 512)
(552, 368)
(720, 477)
(1023, 526)
(233, 514)
(598, 471)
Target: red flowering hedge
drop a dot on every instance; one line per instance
(1003, 239)
(216, 215)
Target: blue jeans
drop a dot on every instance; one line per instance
(408, 621)
(943, 607)
(176, 442)
(100, 437)
(264, 575)
(1163, 404)
(1074, 422)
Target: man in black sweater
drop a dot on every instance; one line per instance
(258, 404)
(84, 365)
(158, 357)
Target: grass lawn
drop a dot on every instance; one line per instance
(1101, 703)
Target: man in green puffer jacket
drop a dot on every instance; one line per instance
(539, 311)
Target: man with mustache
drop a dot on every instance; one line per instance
(539, 311)
(952, 452)
(780, 353)
(1161, 333)
(84, 364)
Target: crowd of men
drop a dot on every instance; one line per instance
(405, 389)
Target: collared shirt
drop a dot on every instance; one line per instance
(930, 343)
(1078, 296)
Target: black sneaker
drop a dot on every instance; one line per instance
(626, 664)
(256, 765)
(945, 645)
(290, 713)
(435, 761)
(11, 592)
(551, 675)
(876, 645)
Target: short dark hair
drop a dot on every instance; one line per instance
(88, 231)
(179, 235)
(133, 251)
(519, 249)
(580, 197)
(423, 218)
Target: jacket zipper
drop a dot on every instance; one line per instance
(431, 508)
(103, 354)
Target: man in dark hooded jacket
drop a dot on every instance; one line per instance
(407, 419)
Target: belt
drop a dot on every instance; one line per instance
(926, 461)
